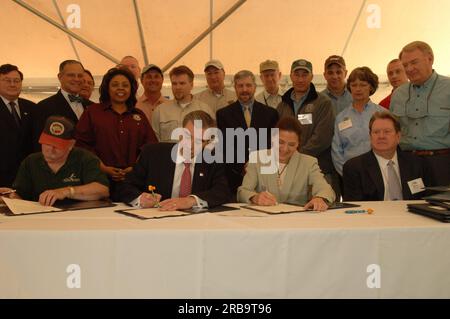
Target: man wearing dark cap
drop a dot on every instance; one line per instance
(152, 79)
(270, 76)
(335, 73)
(60, 171)
(216, 95)
(316, 115)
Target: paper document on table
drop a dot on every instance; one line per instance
(242, 213)
(149, 213)
(277, 209)
(20, 206)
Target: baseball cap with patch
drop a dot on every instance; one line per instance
(335, 59)
(215, 63)
(268, 65)
(152, 67)
(301, 64)
(58, 132)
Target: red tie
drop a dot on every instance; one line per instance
(185, 185)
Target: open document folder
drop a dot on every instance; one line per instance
(20, 207)
(276, 209)
(152, 213)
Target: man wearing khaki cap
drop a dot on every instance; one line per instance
(152, 79)
(216, 95)
(60, 170)
(335, 73)
(270, 77)
(316, 115)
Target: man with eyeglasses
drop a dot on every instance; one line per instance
(385, 172)
(216, 95)
(423, 108)
(179, 172)
(270, 76)
(66, 102)
(15, 123)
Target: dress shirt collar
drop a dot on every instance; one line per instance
(333, 96)
(268, 95)
(181, 159)
(427, 84)
(249, 105)
(303, 98)
(185, 105)
(215, 94)
(368, 104)
(6, 101)
(383, 161)
(66, 96)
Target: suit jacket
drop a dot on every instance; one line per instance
(302, 175)
(232, 116)
(53, 105)
(155, 167)
(15, 142)
(363, 180)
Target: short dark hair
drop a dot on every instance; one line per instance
(363, 73)
(6, 68)
(89, 73)
(290, 124)
(104, 87)
(394, 60)
(385, 115)
(66, 62)
(182, 69)
(207, 120)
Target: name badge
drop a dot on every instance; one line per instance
(345, 124)
(305, 119)
(416, 186)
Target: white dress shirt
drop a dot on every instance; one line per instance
(77, 107)
(382, 162)
(179, 168)
(16, 101)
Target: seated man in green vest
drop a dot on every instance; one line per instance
(60, 170)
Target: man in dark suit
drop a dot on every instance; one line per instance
(245, 113)
(385, 172)
(178, 171)
(15, 123)
(66, 102)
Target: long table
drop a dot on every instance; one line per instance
(102, 254)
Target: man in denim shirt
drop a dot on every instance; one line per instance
(423, 107)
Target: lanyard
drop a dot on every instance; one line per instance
(428, 97)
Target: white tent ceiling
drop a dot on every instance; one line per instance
(366, 32)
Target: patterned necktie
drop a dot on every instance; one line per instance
(394, 187)
(75, 98)
(185, 184)
(247, 115)
(14, 113)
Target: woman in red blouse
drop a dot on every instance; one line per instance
(114, 129)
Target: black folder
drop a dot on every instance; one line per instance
(432, 210)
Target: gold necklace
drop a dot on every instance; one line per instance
(281, 173)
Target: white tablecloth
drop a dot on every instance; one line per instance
(301, 255)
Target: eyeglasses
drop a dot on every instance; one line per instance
(11, 81)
